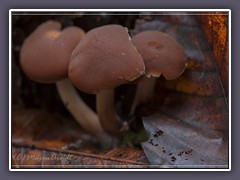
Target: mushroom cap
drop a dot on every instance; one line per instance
(103, 59)
(161, 54)
(45, 53)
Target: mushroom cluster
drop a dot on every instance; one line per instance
(96, 62)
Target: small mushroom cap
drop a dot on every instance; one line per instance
(45, 54)
(161, 54)
(103, 59)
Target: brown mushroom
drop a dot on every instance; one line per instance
(104, 59)
(161, 55)
(44, 57)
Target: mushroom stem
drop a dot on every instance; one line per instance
(106, 112)
(144, 92)
(85, 116)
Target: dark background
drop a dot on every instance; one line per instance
(216, 4)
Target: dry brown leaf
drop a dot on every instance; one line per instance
(32, 156)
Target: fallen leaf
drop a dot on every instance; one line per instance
(182, 144)
(188, 122)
